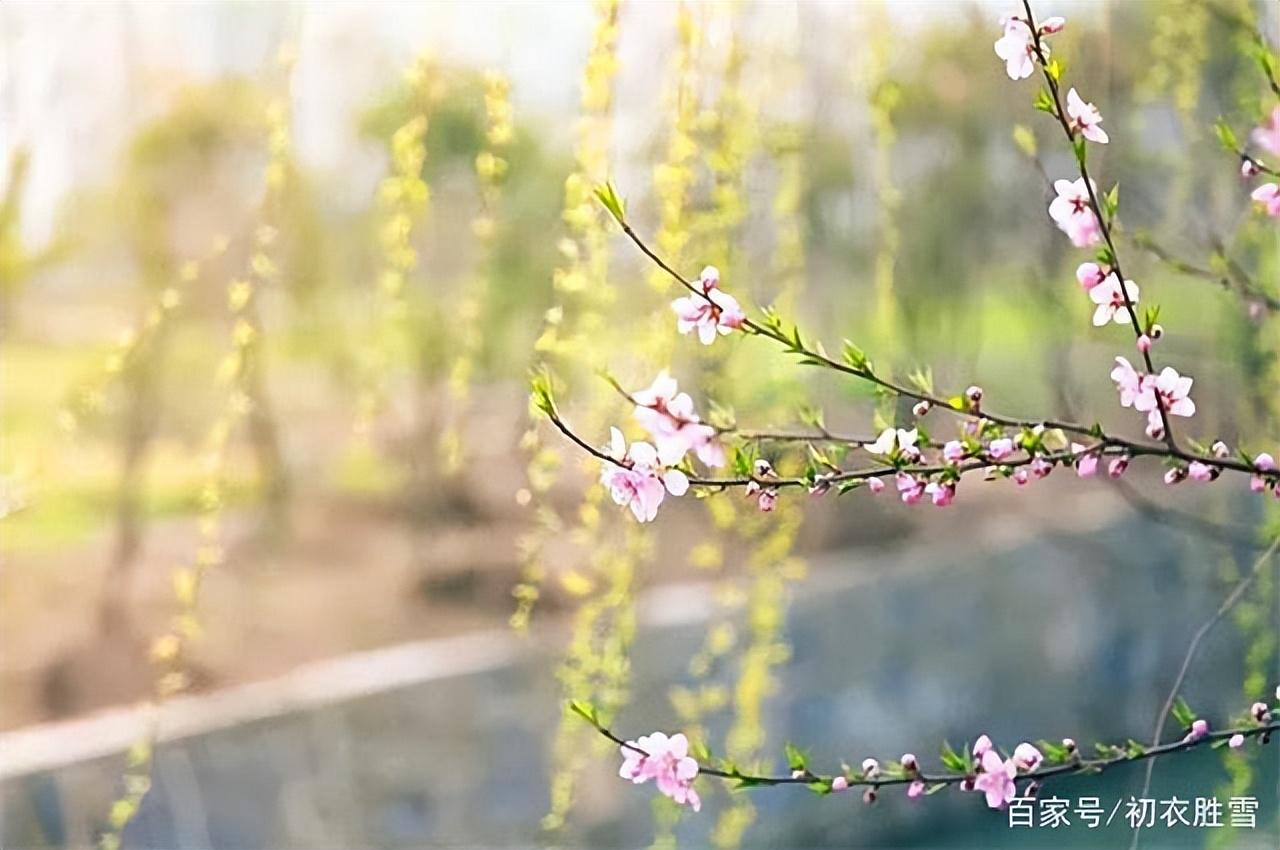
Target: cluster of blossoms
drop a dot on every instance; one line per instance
(983, 769)
(1017, 46)
(1266, 137)
(665, 760)
(640, 475)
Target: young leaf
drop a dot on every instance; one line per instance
(608, 197)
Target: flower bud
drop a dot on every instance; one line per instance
(1118, 466)
(1053, 25)
(1248, 168)
(875, 485)
(1220, 449)
(915, 790)
(967, 783)
(869, 796)
(909, 763)
(762, 468)
(870, 767)
(767, 500)
(1144, 343)
(1157, 331)
(839, 784)
(797, 774)
(1175, 475)
(1069, 744)
(974, 396)
(921, 408)
(1260, 712)
(1236, 741)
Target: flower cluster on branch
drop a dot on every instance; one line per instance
(685, 448)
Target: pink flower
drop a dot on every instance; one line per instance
(839, 784)
(1236, 741)
(1020, 477)
(1086, 461)
(910, 489)
(1260, 712)
(1110, 298)
(1267, 136)
(640, 480)
(1174, 392)
(1016, 47)
(1053, 25)
(1118, 466)
(1090, 275)
(1263, 463)
(665, 760)
(941, 494)
(996, 780)
(1000, 449)
(767, 499)
(1085, 118)
(1041, 468)
(915, 790)
(1027, 757)
(1248, 168)
(668, 415)
(875, 485)
(981, 746)
(1073, 213)
(953, 451)
(1198, 471)
(1128, 380)
(1268, 194)
(711, 312)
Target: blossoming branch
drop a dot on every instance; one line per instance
(674, 763)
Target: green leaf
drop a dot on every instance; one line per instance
(1111, 202)
(1081, 148)
(821, 787)
(796, 758)
(586, 711)
(952, 760)
(608, 196)
(1226, 135)
(1182, 713)
(854, 356)
(1044, 101)
(1025, 139)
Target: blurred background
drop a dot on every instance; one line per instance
(287, 562)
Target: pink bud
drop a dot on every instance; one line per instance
(909, 763)
(1220, 449)
(875, 485)
(869, 796)
(839, 784)
(981, 746)
(1090, 275)
(762, 468)
(767, 499)
(1053, 25)
(1118, 466)
(1198, 471)
(1020, 476)
(915, 790)
(1199, 728)
(920, 408)
(1248, 168)
(1236, 741)
(870, 767)
(1175, 475)
(973, 394)
(1260, 712)
(1069, 744)
(1144, 343)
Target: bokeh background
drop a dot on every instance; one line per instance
(288, 562)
